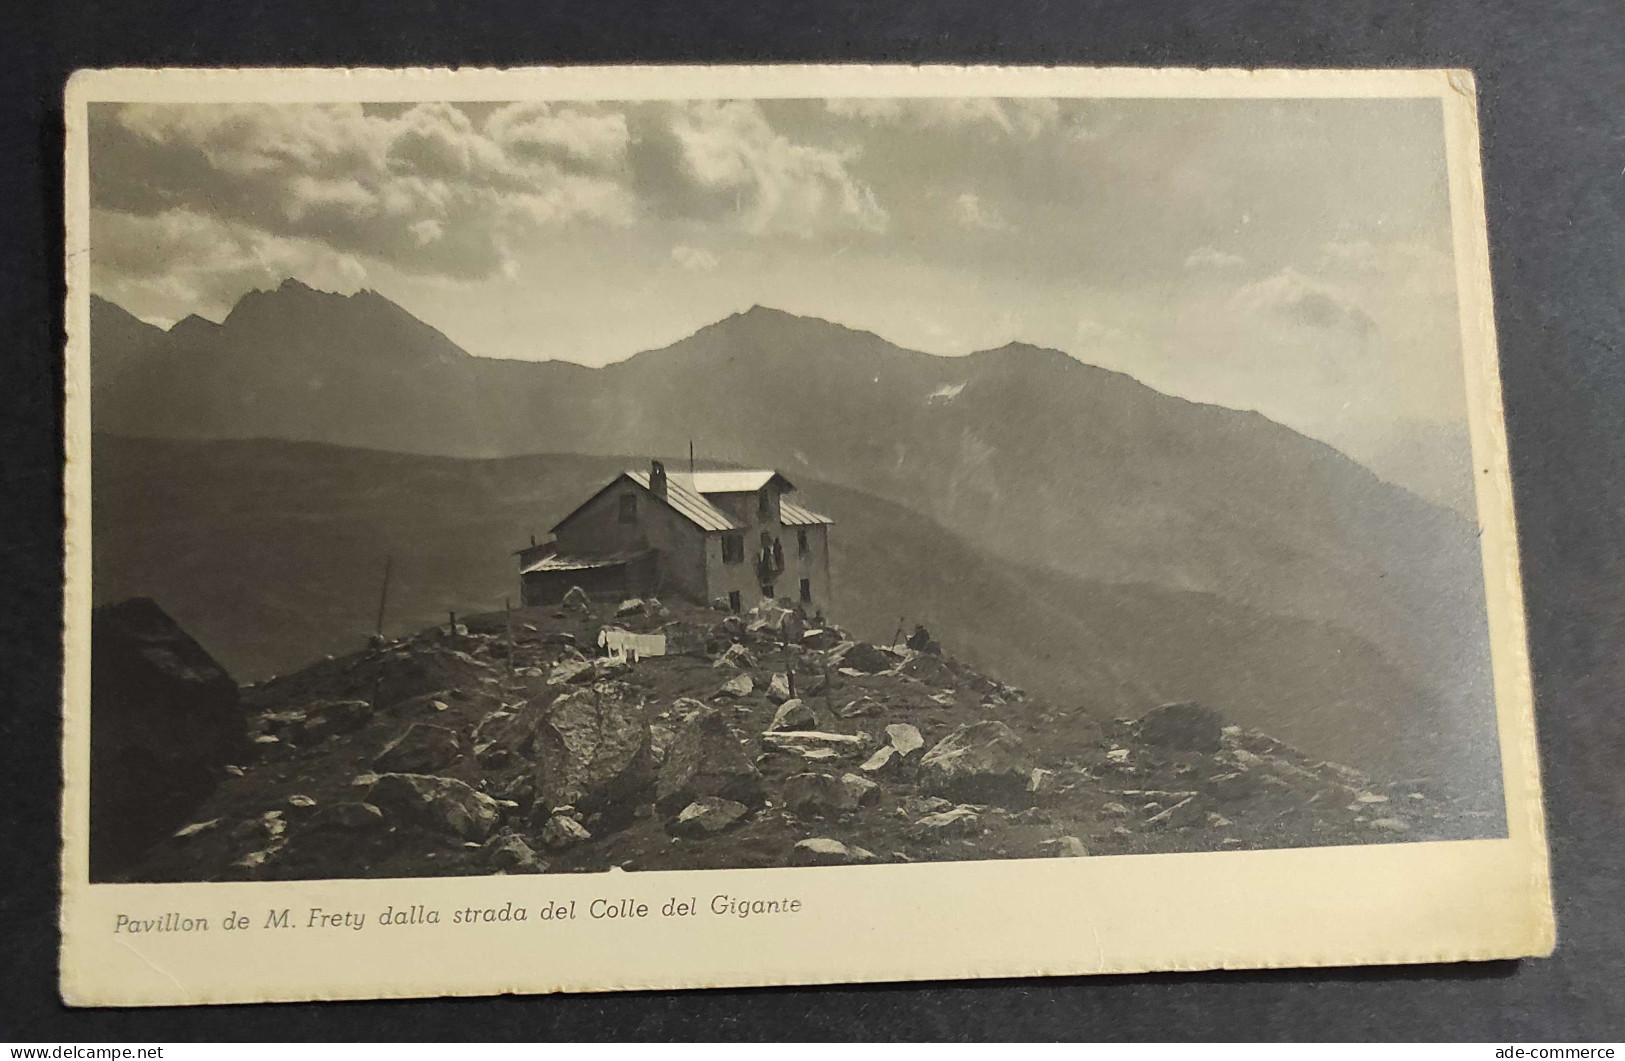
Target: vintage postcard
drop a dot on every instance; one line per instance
(601, 528)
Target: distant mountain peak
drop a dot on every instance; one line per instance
(192, 323)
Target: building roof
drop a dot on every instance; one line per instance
(689, 503)
(793, 515)
(555, 562)
(729, 482)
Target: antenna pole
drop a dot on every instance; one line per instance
(383, 595)
(691, 456)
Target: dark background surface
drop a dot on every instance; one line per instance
(1551, 79)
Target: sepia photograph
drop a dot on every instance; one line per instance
(561, 485)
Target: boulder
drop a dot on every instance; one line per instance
(509, 853)
(905, 738)
(705, 759)
(886, 758)
(821, 639)
(439, 804)
(959, 822)
(822, 851)
(661, 737)
(571, 672)
(814, 795)
(917, 806)
(563, 831)
(737, 686)
(729, 629)
(737, 657)
(351, 816)
(929, 670)
(867, 658)
(508, 734)
(1183, 726)
(165, 721)
(860, 708)
(609, 668)
(768, 615)
(422, 749)
(706, 817)
(980, 762)
(778, 689)
(641, 608)
(860, 790)
(1067, 847)
(592, 751)
(793, 714)
(575, 600)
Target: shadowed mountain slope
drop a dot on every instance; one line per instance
(271, 554)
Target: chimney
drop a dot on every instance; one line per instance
(657, 479)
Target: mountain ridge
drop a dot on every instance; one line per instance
(1029, 454)
(203, 326)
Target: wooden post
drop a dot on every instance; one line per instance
(507, 618)
(383, 595)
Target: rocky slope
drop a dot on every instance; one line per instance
(498, 746)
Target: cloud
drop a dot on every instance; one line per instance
(210, 262)
(446, 192)
(569, 134)
(969, 212)
(1209, 258)
(1307, 303)
(427, 189)
(694, 259)
(1027, 118)
(733, 157)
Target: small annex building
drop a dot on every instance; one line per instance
(729, 536)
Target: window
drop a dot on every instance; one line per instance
(778, 555)
(733, 548)
(806, 590)
(764, 503)
(767, 591)
(802, 546)
(733, 601)
(629, 508)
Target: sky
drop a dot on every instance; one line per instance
(1287, 256)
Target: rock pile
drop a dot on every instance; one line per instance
(481, 754)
